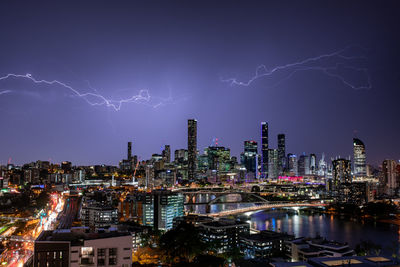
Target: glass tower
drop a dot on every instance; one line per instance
(192, 148)
(264, 149)
(360, 165)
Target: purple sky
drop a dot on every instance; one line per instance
(182, 50)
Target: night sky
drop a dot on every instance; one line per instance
(181, 52)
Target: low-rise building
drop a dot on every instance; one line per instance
(301, 249)
(264, 244)
(78, 247)
(223, 234)
(97, 215)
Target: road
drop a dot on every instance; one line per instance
(69, 213)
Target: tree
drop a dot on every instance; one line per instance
(181, 244)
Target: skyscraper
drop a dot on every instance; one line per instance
(192, 148)
(129, 151)
(360, 164)
(292, 164)
(304, 165)
(249, 157)
(264, 149)
(391, 178)
(341, 173)
(281, 153)
(167, 154)
(273, 163)
(313, 164)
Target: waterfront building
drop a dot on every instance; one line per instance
(156, 209)
(302, 249)
(192, 149)
(359, 159)
(224, 233)
(341, 172)
(390, 176)
(78, 247)
(350, 261)
(264, 244)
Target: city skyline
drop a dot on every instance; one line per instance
(108, 74)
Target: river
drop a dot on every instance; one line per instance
(303, 224)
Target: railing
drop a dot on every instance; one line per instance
(263, 207)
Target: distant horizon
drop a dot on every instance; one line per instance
(79, 82)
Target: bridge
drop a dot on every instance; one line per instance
(262, 207)
(219, 196)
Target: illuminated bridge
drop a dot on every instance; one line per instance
(210, 197)
(262, 207)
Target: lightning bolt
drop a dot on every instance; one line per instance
(94, 99)
(5, 92)
(311, 64)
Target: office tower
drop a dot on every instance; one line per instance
(390, 175)
(181, 155)
(219, 158)
(304, 165)
(129, 151)
(249, 157)
(292, 164)
(341, 173)
(157, 208)
(313, 164)
(192, 149)
(322, 166)
(281, 153)
(273, 163)
(264, 149)
(360, 164)
(167, 154)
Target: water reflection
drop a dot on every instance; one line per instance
(330, 227)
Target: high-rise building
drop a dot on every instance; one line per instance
(129, 151)
(157, 208)
(341, 173)
(322, 166)
(219, 158)
(360, 164)
(192, 149)
(391, 179)
(264, 149)
(304, 165)
(281, 153)
(292, 164)
(167, 154)
(273, 163)
(249, 157)
(313, 164)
